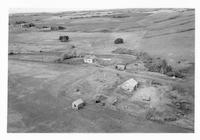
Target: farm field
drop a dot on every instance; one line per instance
(46, 74)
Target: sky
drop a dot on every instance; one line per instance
(51, 10)
(36, 10)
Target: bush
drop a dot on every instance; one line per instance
(124, 51)
(175, 73)
(71, 53)
(120, 16)
(159, 65)
(31, 25)
(45, 27)
(153, 115)
(20, 22)
(61, 28)
(119, 41)
(152, 64)
(11, 53)
(28, 25)
(55, 28)
(68, 55)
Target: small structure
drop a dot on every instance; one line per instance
(76, 105)
(120, 67)
(89, 59)
(130, 85)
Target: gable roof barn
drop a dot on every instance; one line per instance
(130, 85)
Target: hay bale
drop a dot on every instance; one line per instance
(119, 41)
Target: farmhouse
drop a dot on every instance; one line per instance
(89, 59)
(76, 105)
(130, 85)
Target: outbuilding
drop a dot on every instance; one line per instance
(120, 67)
(76, 105)
(130, 85)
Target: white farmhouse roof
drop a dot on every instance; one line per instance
(90, 57)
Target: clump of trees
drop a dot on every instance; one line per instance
(55, 28)
(161, 66)
(64, 38)
(152, 64)
(20, 22)
(70, 53)
(28, 25)
(124, 51)
(120, 16)
(119, 41)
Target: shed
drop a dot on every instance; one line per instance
(76, 105)
(120, 67)
(89, 59)
(130, 85)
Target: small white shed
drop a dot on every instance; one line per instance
(130, 85)
(76, 105)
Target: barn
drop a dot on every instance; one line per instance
(130, 85)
